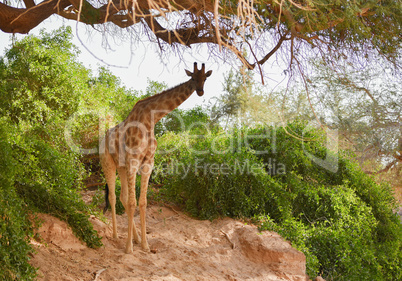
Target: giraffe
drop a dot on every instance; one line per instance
(130, 147)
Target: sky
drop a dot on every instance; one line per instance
(135, 69)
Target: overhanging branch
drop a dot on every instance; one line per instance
(17, 20)
(227, 24)
(184, 36)
(29, 3)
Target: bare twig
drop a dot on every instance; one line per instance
(278, 45)
(98, 273)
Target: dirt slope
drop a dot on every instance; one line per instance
(182, 248)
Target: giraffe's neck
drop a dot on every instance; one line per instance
(157, 106)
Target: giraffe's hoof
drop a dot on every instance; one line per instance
(129, 250)
(136, 238)
(129, 247)
(145, 247)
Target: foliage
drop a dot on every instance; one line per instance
(107, 92)
(211, 184)
(40, 78)
(237, 88)
(195, 120)
(15, 228)
(46, 181)
(245, 102)
(292, 30)
(365, 107)
(336, 214)
(41, 82)
(45, 93)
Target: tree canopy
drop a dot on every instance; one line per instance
(299, 30)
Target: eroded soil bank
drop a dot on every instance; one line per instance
(182, 248)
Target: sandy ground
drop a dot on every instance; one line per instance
(182, 248)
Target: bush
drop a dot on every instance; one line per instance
(195, 120)
(36, 177)
(15, 227)
(340, 218)
(41, 86)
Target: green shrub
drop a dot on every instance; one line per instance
(40, 78)
(47, 181)
(212, 184)
(195, 120)
(39, 82)
(15, 227)
(337, 215)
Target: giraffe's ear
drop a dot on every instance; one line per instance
(188, 73)
(208, 73)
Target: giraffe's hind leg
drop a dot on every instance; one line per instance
(109, 169)
(143, 209)
(131, 206)
(124, 198)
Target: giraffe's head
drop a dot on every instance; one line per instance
(198, 78)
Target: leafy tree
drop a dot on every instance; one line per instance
(154, 87)
(365, 107)
(235, 100)
(195, 120)
(297, 29)
(40, 78)
(245, 102)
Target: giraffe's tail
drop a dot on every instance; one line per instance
(106, 199)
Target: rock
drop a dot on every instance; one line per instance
(57, 232)
(271, 249)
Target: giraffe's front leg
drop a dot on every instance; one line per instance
(112, 200)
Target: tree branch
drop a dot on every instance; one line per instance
(29, 3)
(385, 169)
(346, 81)
(276, 48)
(225, 23)
(184, 36)
(16, 20)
